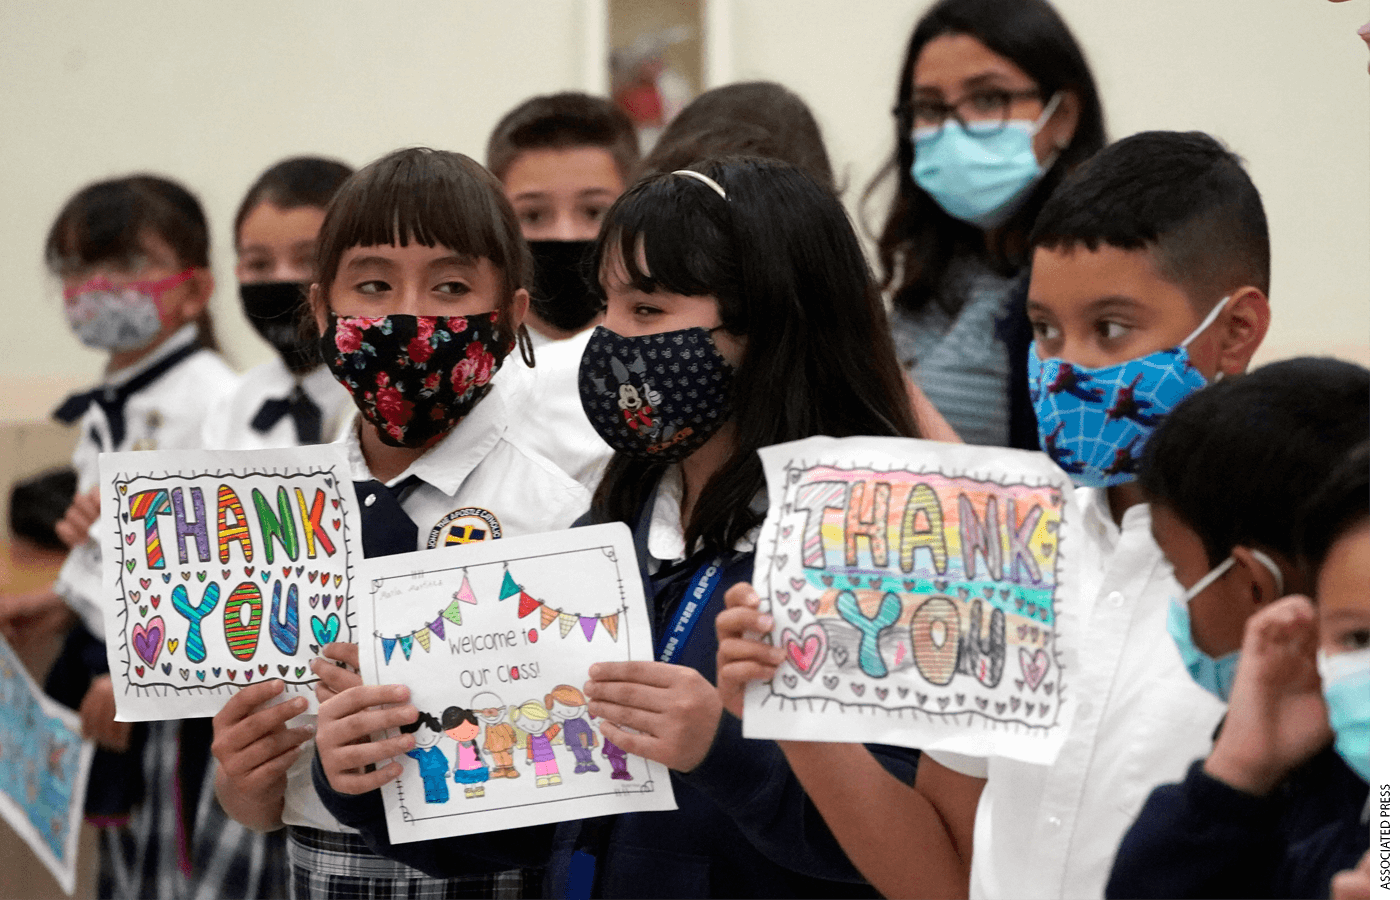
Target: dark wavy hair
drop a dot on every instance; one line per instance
(104, 223)
(781, 257)
(562, 122)
(919, 239)
(294, 182)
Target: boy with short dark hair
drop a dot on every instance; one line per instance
(1272, 810)
(1148, 281)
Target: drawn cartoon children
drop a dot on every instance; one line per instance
(618, 757)
(534, 720)
(500, 734)
(567, 703)
(461, 725)
(432, 765)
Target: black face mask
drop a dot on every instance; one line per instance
(562, 296)
(275, 310)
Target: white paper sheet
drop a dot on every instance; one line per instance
(44, 765)
(506, 630)
(226, 568)
(917, 588)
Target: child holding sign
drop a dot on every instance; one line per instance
(420, 290)
(1149, 277)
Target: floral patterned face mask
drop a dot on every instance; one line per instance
(414, 377)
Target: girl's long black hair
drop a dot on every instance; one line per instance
(781, 257)
(919, 239)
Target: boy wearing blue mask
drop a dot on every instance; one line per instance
(1278, 807)
(1149, 280)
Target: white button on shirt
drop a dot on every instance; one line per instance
(481, 468)
(1053, 831)
(228, 425)
(165, 415)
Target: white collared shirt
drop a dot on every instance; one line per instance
(1053, 831)
(164, 415)
(478, 484)
(666, 536)
(557, 427)
(229, 423)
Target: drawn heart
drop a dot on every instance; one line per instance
(286, 571)
(262, 669)
(1021, 632)
(806, 650)
(339, 599)
(1034, 666)
(266, 576)
(1001, 708)
(1049, 685)
(981, 702)
(325, 577)
(962, 593)
(853, 581)
(165, 576)
(122, 488)
(1046, 547)
(961, 698)
(790, 681)
(135, 596)
(813, 604)
(794, 614)
(282, 670)
(315, 648)
(300, 569)
(780, 561)
(797, 583)
(199, 673)
(248, 571)
(828, 580)
(988, 592)
(226, 573)
(941, 584)
(831, 681)
(311, 577)
(131, 565)
(300, 671)
(185, 674)
(144, 610)
(155, 601)
(248, 673)
(147, 640)
(325, 630)
(841, 655)
(1020, 685)
(783, 597)
(787, 532)
(145, 584)
(217, 670)
(1044, 708)
(185, 575)
(201, 575)
(335, 524)
(858, 689)
(337, 580)
(942, 702)
(172, 644)
(882, 693)
(165, 667)
(315, 600)
(1005, 593)
(1020, 602)
(126, 519)
(335, 504)
(1015, 703)
(140, 670)
(903, 692)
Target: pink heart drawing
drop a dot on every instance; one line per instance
(783, 597)
(148, 640)
(797, 583)
(807, 650)
(1034, 667)
(813, 604)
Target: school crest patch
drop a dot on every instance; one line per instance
(465, 526)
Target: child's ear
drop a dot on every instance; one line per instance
(1265, 587)
(519, 306)
(1246, 322)
(1064, 121)
(317, 301)
(199, 290)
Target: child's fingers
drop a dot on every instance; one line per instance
(266, 748)
(271, 771)
(741, 672)
(356, 726)
(656, 674)
(343, 652)
(737, 621)
(629, 717)
(249, 731)
(349, 702)
(734, 649)
(626, 693)
(357, 756)
(245, 702)
(335, 679)
(363, 783)
(741, 595)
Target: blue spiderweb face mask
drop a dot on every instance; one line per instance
(1094, 422)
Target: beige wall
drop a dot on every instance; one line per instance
(212, 92)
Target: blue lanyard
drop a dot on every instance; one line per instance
(697, 596)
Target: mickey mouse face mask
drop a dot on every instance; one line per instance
(657, 396)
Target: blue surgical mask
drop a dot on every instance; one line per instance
(979, 177)
(1346, 689)
(1094, 422)
(1215, 674)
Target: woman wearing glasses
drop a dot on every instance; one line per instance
(996, 105)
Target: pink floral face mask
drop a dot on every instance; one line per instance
(414, 377)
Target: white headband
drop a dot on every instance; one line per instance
(703, 179)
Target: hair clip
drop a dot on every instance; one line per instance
(703, 179)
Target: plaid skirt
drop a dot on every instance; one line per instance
(327, 865)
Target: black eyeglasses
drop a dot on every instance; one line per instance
(985, 112)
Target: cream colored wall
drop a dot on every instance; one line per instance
(210, 93)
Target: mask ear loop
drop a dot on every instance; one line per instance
(1268, 563)
(1207, 581)
(1206, 323)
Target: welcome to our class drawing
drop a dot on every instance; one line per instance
(225, 576)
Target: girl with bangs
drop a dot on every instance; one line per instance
(420, 288)
(740, 313)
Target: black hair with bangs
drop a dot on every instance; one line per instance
(429, 197)
(292, 183)
(781, 257)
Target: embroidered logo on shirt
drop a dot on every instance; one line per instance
(465, 526)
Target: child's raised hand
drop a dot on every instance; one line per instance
(672, 710)
(254, 746)
(340, 673)
(1277, 717)
(98, 714)
(742, 659)
(72, 529)
(349, 720)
